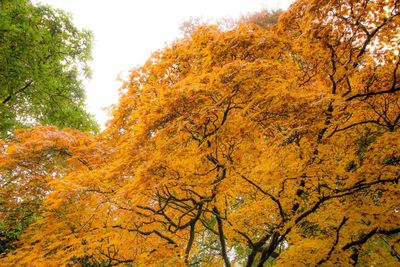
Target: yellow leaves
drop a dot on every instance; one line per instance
(274, 136)
(54, 201)
(308, 253)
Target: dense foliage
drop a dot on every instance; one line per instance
(43, 59)
(251, 146)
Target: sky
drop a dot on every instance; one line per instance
(128, 31)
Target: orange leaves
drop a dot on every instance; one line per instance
(260, 144)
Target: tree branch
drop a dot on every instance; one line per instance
(366, 95)
(274, 199)
(370, 234)
(342, 223)
(221, 237)
(29, 83)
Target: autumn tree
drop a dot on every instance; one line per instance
(33, 160)
(251, 146)
(264, 18)
(43, 59)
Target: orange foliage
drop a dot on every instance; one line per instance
(250, 146)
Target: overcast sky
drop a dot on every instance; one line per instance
(127, 31)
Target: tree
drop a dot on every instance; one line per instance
(43, 59)
(264, 18)
(251, 146)
(36, 158)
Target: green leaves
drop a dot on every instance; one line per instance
(43, 60)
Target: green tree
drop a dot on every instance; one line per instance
(43, 59)
(245, 147)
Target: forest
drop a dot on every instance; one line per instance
(262, 144)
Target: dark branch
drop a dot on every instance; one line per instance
(221, 237)
(29, 83)
(342, 223)
(370, 234)
(274, 199)
(366, 95)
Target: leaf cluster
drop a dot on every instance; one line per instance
(254, 146)
(43, 60)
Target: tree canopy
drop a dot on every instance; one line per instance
(253, 146)
(43, 59)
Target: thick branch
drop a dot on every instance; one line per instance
(192, 233)
(370, 234)
(221, 238)
(269, 250)
(366, 95)
(255, 249)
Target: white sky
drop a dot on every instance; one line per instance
(128, 31)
